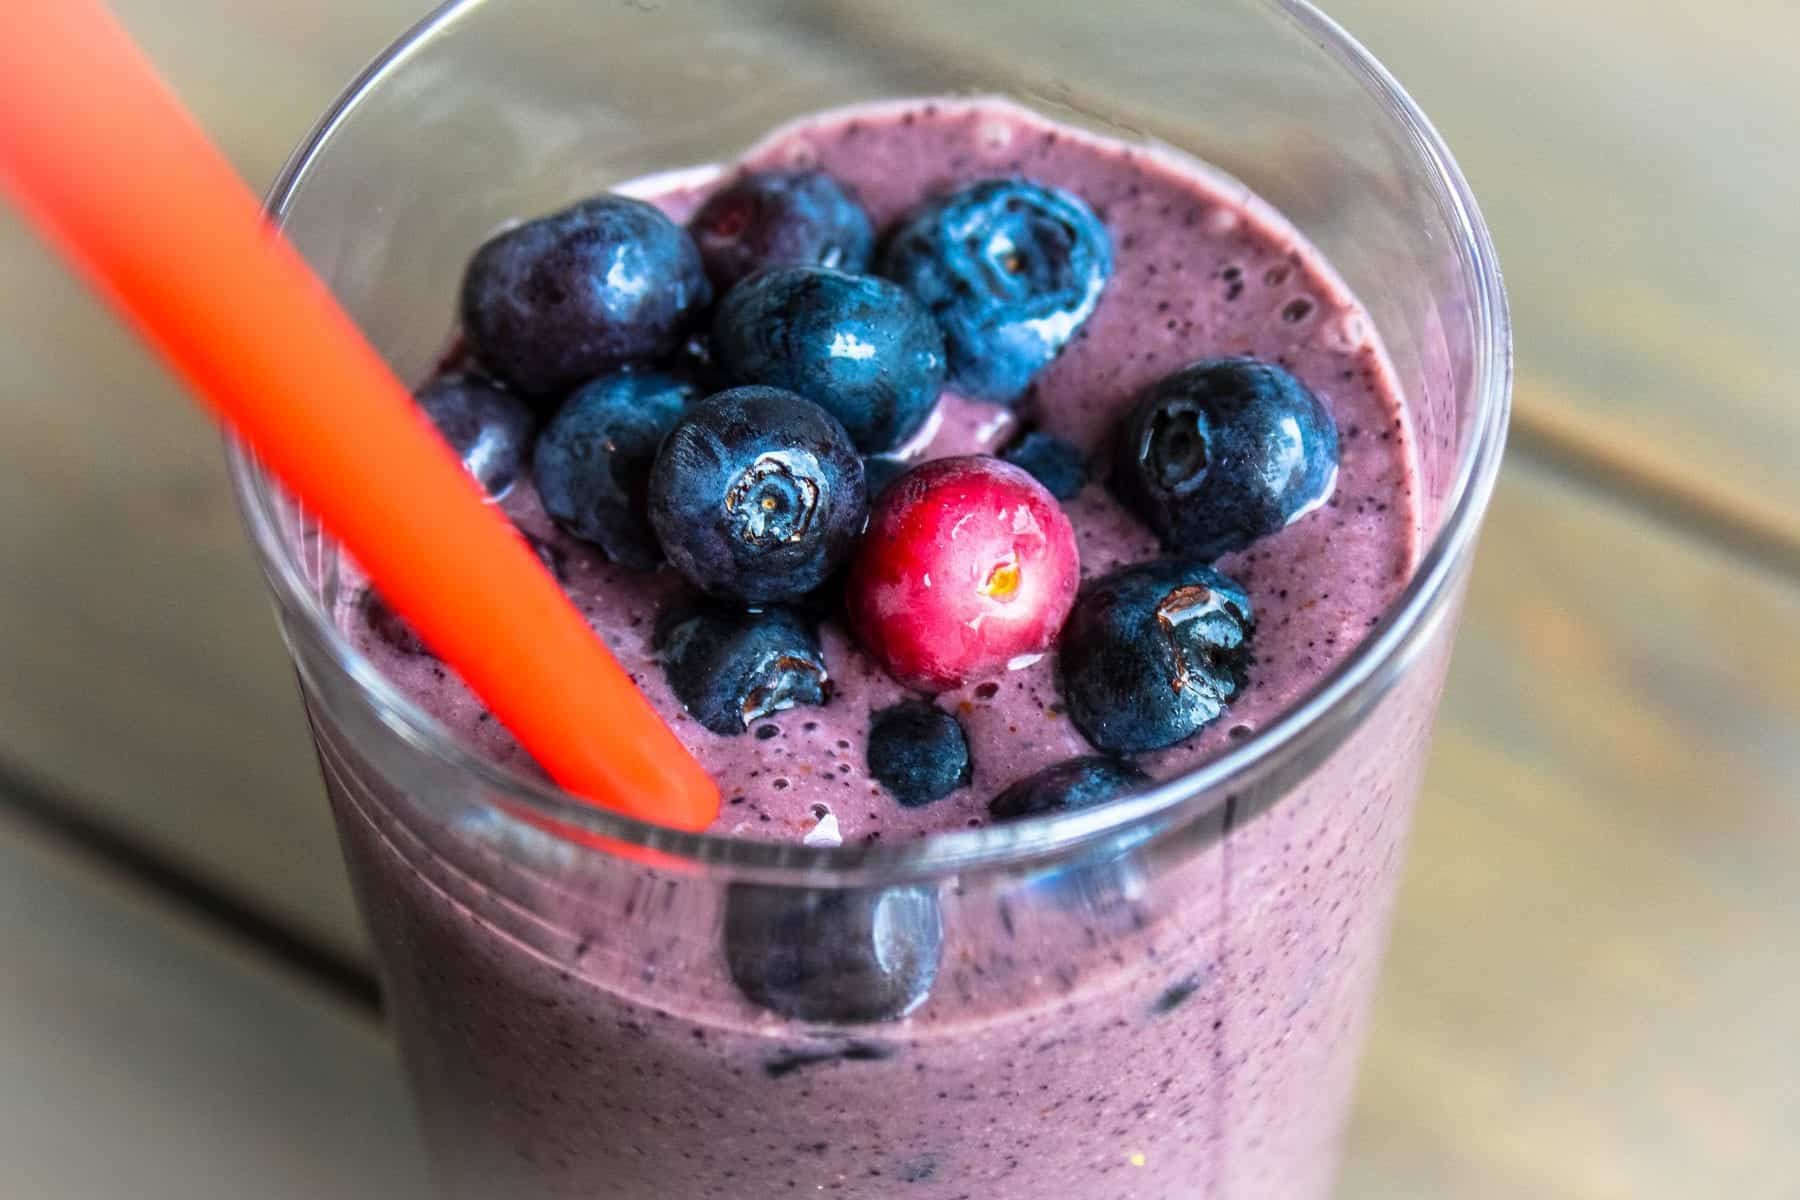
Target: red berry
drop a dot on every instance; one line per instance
(968, 565)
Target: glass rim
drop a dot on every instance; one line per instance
(1362, 676)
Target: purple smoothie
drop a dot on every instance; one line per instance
(1180, 1022)
(1199, 272)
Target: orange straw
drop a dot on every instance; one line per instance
(102, 157)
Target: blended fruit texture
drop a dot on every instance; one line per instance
(1199, 272)
(1182, 1022)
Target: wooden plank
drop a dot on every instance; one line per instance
(1580, 997)
(1586, 996)
(145, 1056)
(144, 677)
(1634, 161)
(147, 681)
(1590, 989)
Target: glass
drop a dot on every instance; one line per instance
(1163, 997)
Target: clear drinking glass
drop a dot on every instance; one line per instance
(1160, 998)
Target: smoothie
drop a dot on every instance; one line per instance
(1200, 271)
(1177, 1018)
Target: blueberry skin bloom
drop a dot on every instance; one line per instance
(918, 752)
(489, 428)
(1010, 269)
(581, 292)
(1154, 652)
(1060, 467)
(781, 219)
(859, 347)
(879, 470)
(730, 668)
(844, 956)
(1092, 886)
(592, 463)
(757, 495)
(1067, 786)
(1223, 452)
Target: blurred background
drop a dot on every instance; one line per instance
(1591, 991)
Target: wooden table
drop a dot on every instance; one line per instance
(1592, 981)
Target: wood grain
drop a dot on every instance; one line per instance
(1586, 998)
(1587, 995)
(145, 681)
(1635, 161)
(143, 1056)
(1590, 989)
(144, 678)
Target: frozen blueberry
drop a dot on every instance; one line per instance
(918, 752)
(1010, 269)
(879, 470)
(1060, 467)
(858, 346)
(1152, 653)
(1104, 885)
(488, 427)
(1105, 882)
(757, 494)
(1223, 452)
(730, 668)
(785, 1062)
(606, 283)
(846, 956)
(592, 463)
(694, 360)
(1066, 786)
(781, 219)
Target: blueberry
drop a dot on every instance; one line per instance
(694, 359)
(1222, 452)
(858, 346)
(1179, 993)
(489, 428)
(842, 956)
(1010, 269)
(608, 282)
(1066, 786)
(918, 752)
(1104, 880)
(879, 470)
(730, 668)
(1105, 885)
(592, 463)
(757, 494)
(1153, 652)
(785, 1062)
(1060, 467)
(781, 219)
